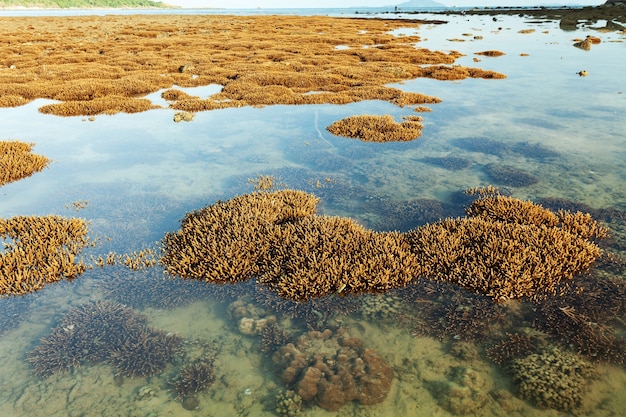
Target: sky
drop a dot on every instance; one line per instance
(271, 4)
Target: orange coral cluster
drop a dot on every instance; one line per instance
(17, 161)
(505, 249)
(228, 241)
(106, 64)
(377, 128)
(508, 248)
(40, 250)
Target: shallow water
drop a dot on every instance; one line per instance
(140, 174)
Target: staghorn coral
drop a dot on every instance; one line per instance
(17, 161)
(14, 311)
(85, 334)
(446, 311)
(40, 250)
(105, 64)
(505, 249)
(332, 369)
(586, 318)
(321, 255)
(553, 379)
(149, 288)
(192, 379)
(515, 346)
(144, 352)
(315, 312)
(104, 331)
(226, 242)
(378, 128)
(510, 176)
(492, 53)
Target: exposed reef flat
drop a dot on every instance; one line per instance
(108, 64)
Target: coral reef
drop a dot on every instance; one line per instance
(510, 176)
(587, 318)
(515, 346)
(234, 231)
(315, 313)
(446, 311)
(286, 69)
(17, 161)
(144, 352)
(40, 250)
(149, 288)
(378, 128)
(321, 255)
(508, 248)
(250, 318)
(553, 379)
(452, 163)
(408, 214)
(498, 148)
(273, 337)
(104, 331)
(288, 403)
(482, 145)
(505, 248)
(332, 369)
(465, 392)
(381, 307)
(192, 379)
(14, 311)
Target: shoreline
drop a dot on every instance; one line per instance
(569, 16)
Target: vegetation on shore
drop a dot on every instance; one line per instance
(82, 4)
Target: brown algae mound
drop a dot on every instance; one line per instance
(378, 128)
(39, 250)
(504, 248)
(106, 64)
(17, 161)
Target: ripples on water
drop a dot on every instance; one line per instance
(544, 134)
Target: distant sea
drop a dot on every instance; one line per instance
(243, 12)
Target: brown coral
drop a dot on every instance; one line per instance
(506, 249)
(41, 250)
(378, 128)
(332, 369)
(105, 64)
(17, 161)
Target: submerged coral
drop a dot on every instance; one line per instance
(149, 288)
(585, 318)
(510, 176)
(465, 392)
(332, 369)
(192, 379)
(144, 352)
(104, 331)
(553, 379)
